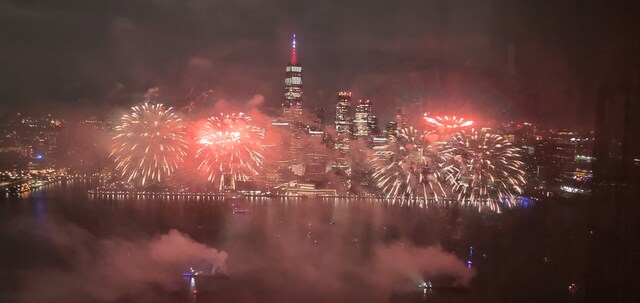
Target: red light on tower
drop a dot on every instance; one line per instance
(294, 57)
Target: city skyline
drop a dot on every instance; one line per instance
(414, 150)
(492, 65)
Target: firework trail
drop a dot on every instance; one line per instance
(483, 169)
(229, 145)
(407, 169)
(149, 144)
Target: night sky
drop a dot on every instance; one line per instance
(494, 60)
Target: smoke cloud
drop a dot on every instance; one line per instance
(313, 260)
(107, 270)
(407, 261)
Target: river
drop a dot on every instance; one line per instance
(60, 245)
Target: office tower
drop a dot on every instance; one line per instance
(292, 103)
(319, 118)
(392, 128)
(361, 119)
(401, 118)
(373, 125)
(343, 122)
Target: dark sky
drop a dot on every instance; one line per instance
(540, 60)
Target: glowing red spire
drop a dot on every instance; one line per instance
(294, 58)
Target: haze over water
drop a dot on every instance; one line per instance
(62, 246)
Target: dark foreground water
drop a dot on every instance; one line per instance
(59, 245)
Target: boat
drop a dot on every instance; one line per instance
(233, 195)
(197, 273)
(428, 286)
(241, 210)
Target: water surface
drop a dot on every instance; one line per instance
(299, 250)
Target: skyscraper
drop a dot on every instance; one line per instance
(361, 120)
(319, 119)
(292, 103)
(373, 125)
(343, 122)
(392, 128)
(401, 118)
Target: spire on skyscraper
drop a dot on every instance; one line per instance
(294, 58)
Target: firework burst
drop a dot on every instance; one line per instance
(483, 168)
(231, 146)
(407, 169)
(441, 128)
(450, 122)
(149, 144)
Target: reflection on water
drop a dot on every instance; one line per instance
(320, 250)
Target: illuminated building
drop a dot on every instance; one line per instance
(378, 142)
(297, 189)
(29, 142)
(361, 119)
(401, 118)
(290, 125)
(292, 104)
(392, 128)
(373, 125)
(280, 163)
(316, 156)
(343, 122)
(98, 123)
(318, 121)
(343, 132)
